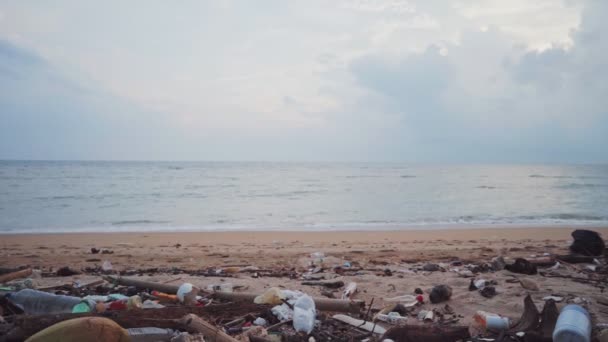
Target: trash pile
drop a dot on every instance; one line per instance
(125, 308)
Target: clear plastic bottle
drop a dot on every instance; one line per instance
(38, 302)
(304, 314)
(573, 325)
(392, 317)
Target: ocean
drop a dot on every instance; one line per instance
(98, 196)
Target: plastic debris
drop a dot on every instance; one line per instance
(392, 318)
(150, 304)
(407, 300)
(587, 242)
(150, 334)
(272, 296)
(440, 293)
(82, 329)
(260, 321)
(349, 291)
(106, 266)
(557, 299)
(187, 293)
(226, 287)
(522, 266)
(304, 314)
(483, 321)
(556, 266)
(573, 325)
(37, 302)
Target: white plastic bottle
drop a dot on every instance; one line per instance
(304, 314)
(573, 325)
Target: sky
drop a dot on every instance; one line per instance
(347, 80)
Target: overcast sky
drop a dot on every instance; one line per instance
(343, 80)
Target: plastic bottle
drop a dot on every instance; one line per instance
(38, 302)
(392, 317)
(406, 300)
(150, 334)
(483, 321)
(165, 296)
(573, 325)
(304, 314)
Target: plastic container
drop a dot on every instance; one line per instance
(38, 302)
(483, 321)
(392, 317)
(165, 296)
(406, 300)
(150, 334)
(573, 325)
(304, 314)
(186, 293)
(226, 287)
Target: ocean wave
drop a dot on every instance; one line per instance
(581, 186)
(407, 176)
(489, 187)
(136, 222)
(544, 176)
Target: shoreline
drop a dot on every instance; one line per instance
(312, 230)
(260, 238)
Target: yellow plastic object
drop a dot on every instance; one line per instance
(134, 302)
(272, 296)
(92, 329)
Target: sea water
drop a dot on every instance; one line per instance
(74, 196)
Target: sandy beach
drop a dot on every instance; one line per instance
(279, 249)
(390, 261)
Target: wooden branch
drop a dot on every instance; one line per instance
(167, 317)
(195, 324)
(323, 304)
(15, 275)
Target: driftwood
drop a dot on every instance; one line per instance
(166, 288)
(195, 324)
(167, 317)
(323, 304)
(15, 275)
(427, 333)
(575, 259)
(329, 284)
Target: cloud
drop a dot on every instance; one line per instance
(349, 80)
(47, 115)
(489, 98)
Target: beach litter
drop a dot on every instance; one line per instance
(522, 266)
(440, 293)
(176, 308)
(587, 242)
